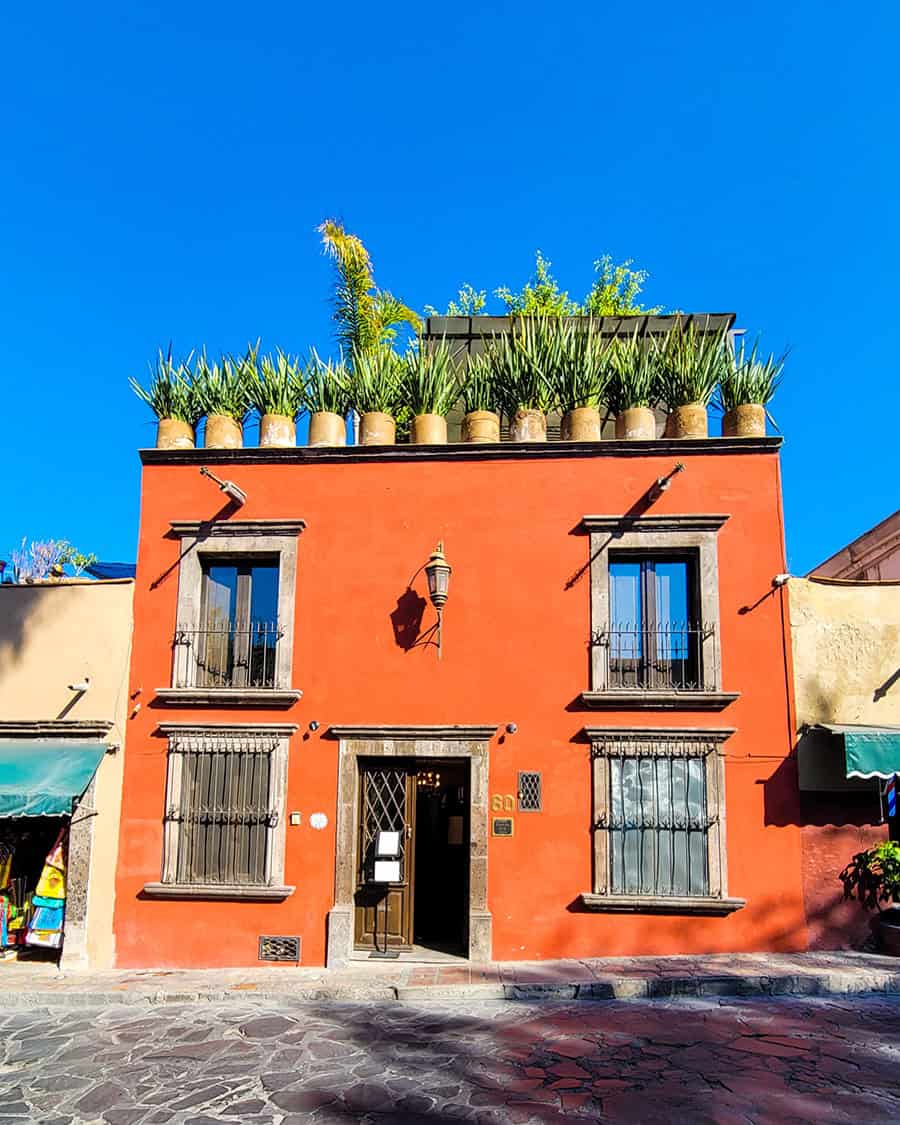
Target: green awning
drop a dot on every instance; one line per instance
(869, 751)
(44, 778)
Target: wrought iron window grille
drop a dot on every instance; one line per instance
(661, 658)
(227, 656)
(530, 796)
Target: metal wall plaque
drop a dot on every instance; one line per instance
(502, 826)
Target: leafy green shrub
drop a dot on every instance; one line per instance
(873, 876)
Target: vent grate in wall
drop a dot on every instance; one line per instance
(276, 947)
(530, 792)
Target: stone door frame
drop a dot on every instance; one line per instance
(453, 742)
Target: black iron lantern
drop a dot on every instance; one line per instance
(437, 571)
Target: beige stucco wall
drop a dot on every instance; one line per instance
(53, 635)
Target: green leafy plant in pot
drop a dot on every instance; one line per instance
(873, 877)
(480, 400)
(694, 359)
(523, 360)
(276, 393)
(326, 395)
(579, 378)
(634, 385)
(746, 388)
(375, 388)
(173, 399)
(223, 390)
(430, 389)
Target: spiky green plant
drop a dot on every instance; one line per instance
(222, 387)
(170, 393)
(478, 387)
(375, 380)
(326, 386)
(523, 360)
(275, 384)
(582, 368)
(430, 382)
(694, 359)
(636, 364)
(750, 379)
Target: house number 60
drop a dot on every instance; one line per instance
(503, 802)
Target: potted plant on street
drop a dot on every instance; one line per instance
(480, 399)
(172, 398)
(326, 396)
(693, 362)
(873, 877)
(374, 383)
(745, 390)
(579, 379)
(634, 387)
(276, 393)
(430, 388)
(223, 392)
(523, 360)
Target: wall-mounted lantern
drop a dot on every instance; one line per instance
(437, 571)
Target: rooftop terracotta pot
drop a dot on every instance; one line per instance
(481, 427)
(277, 431)
(326, 428)
(172, 433)
(748, 420)
(377, 428)
(581, 424)
(637, 423)
(689, 421)
(223, 432)
(429, 429)
(528, 425)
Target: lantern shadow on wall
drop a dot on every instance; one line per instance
(406, 618)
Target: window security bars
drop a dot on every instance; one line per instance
(530, 796)
(221, 812)
(663, 658)
(385, 797)
(657, 816)
(227, 656)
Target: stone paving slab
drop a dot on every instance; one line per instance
(621, 978)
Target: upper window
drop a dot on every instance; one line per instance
(239, 633)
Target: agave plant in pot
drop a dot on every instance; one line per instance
(523, 361)
(276, 393)
(326, 395)
(693, 361)
(579, 379)
(634, 386)
(430, 388)
(480, 399)
(873, 877)
(375, 381)
(173, 399)
(223, 391)
(745, 390)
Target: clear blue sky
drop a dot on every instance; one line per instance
(162, 173)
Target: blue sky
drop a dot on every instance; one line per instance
(162, 174)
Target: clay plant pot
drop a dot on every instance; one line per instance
(172, 433)
(223, 432)
(528, 425)
(326, 428)
(376, 428)
(690, 421)
(429, 429)
(277, 431)
(748, 420)
(637, 423)
(481, 427)
(581, 424)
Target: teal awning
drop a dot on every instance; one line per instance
(44, 778)
(869, 751)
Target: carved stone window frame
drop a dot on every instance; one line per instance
(248, 539)
(640, 742)
(274, 887)
(676, 534)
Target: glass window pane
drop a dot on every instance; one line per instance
(221, 596)
(264, 593)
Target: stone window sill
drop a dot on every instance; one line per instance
(229, 697)
(658, 700)
(217, 891)
(659, 904)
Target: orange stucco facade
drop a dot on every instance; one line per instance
(516, 638)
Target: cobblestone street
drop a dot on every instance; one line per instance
(755, 1060)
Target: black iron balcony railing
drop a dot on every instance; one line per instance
(227, 656)
(662, 658)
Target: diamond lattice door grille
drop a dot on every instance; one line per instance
(384, 811)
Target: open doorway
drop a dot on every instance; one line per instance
(441, 892)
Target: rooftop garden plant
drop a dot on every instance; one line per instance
(43, 559)
(430, 383)
(693, 362)
(478, 389)
(583, 366)
(223, 388)
(749, 379)
(375, 381)
(326, 386)
(170, 392)
(523, 361)
(275, 385)
(636, 373)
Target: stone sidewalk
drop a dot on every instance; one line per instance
(618, 978)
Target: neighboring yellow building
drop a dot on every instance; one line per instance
(64, 656)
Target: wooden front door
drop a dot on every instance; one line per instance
(387, 802)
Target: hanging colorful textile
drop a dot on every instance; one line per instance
(45, 927)
(6, 857)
